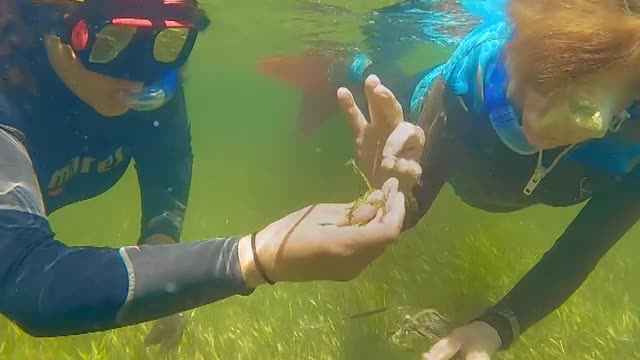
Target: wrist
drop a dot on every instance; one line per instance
(412, 209)
(505, 323)
(250, 273)
(412, 205)
(349, 71)
(158, 239)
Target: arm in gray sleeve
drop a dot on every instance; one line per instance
(19, 189)
(50, 289)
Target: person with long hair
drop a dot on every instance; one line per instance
(86, 88)
(535, 107)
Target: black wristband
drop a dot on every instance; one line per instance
(256, 260)
(505, 323)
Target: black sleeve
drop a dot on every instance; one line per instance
(436, 158)
(434, 172)
(161, 148)
(561, 271)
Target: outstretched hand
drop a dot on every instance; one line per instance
(386, 146)
(326, 241)
(474, 341)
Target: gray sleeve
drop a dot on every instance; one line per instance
(19, 188)
(191, 275)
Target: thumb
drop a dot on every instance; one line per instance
(444, 349)
(477, 355)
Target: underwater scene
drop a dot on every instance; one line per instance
(268, 138)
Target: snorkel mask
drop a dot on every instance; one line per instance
(588, 118)
(139, 40)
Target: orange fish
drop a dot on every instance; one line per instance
(310, 74)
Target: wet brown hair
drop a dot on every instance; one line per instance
(563, 43)
(16, 39)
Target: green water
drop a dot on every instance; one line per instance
(250, 169)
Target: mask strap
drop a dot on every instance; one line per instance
(618, 120)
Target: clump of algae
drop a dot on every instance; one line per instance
(364, 198)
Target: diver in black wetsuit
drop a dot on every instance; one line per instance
(86, 88)
(542, 115)
(551, 161)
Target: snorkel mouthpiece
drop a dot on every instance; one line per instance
(156, 94)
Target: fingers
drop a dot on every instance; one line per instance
(477, 356)
(357, 121)
(455, 346)
(166, 332)
(406, 140)
(385, 111)
(375, 101)
(172, 342)
(154, 337)
(363, 213)
(390, 189)
(391, 107)
(383, 230)
(406, 171)
(378, 207)
(370, 85)
(401, 167)
(394, 217)
(391, 217)
(377, 195)
(401, 153)
(390, 192)
(444, 349)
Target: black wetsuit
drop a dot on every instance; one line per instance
(50, 289)
(464, 150)
(487, 175)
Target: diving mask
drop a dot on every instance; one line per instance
(134, 50)
(578, 118)
(596, 119)
(145, 41)
(588, 119)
